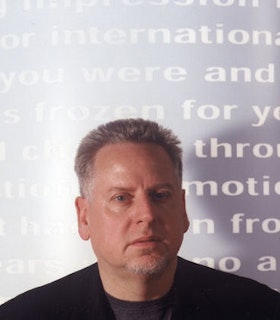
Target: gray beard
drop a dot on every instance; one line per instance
(153, 265)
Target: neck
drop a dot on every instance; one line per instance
(131, 286)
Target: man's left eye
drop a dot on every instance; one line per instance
(160, 195)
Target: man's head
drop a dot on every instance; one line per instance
(120, 131)
(132, 206)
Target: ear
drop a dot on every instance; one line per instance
(81, 205)
(185, 217)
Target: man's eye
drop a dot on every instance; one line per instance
(161, 195)
(121, 198)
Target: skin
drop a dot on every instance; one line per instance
(135, 218)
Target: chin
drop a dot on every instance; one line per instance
(148, 264)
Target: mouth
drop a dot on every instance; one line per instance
(146, 241)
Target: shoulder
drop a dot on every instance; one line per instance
(68, 295)
(210, 279)
(224, 291)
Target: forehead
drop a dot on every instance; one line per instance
(132, 155)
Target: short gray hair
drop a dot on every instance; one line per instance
(125, 130)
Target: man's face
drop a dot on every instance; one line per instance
(135, 216)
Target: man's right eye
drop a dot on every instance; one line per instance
(121, 198)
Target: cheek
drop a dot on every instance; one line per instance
(106, 233)
(177, 224)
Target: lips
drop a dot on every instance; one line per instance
(145, 240)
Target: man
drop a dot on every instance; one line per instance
(132, 209)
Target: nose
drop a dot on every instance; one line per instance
(145, 211)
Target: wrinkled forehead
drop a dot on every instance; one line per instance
(115, 161)
(128, 150)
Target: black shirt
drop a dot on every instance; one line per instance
(158, 309)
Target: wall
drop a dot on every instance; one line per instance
(209, 70)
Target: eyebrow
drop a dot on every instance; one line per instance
(114, 189)
(152, 188)
(162, 185)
